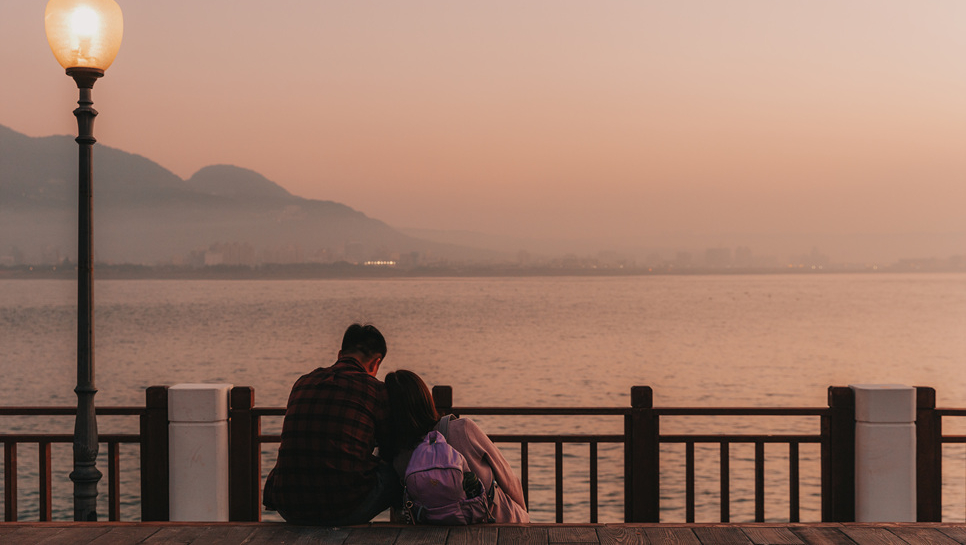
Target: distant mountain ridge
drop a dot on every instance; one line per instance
(144, 213)
(237, 182)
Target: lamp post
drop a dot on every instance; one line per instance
(85, 36)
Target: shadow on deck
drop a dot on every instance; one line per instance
(255, 533)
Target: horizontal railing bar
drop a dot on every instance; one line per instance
(542, 411)
(661, 411)
(66, 438)
(69, 411)
(741, 438)
(516, 438)
(951, 412)
(954, 438)
(522, 438)
(740, 411)
(268, 411)
(519, 438)
(613, 411)
(498, 411)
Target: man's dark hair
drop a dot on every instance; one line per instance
(364, 339)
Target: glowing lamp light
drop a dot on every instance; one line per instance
(84, 33)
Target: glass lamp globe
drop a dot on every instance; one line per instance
(84, 34)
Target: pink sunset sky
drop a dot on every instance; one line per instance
(622, 122)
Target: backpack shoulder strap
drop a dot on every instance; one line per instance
(443, 425)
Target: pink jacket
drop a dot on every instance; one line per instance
(485, 459)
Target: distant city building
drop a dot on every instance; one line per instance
(682, 259)
(355, 252)
(814, 259)
(12, 258)
(653, 259)
(717, 257)
(744, 257)
(322, 255)
(290, 253)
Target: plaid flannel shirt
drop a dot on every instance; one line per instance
(325, 467)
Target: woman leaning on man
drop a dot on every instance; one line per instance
(413, 415)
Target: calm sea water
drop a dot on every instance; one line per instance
(770, 340)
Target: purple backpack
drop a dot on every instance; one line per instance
(433, 485)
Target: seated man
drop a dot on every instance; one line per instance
(326, 472)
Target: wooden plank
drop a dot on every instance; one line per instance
(124, 534)
(522, 534)
(176, 534)
(478, 534)
(958, 533)
(57, 533)
(921, 535)
(225, 535)
(74, 535)
(297, 535)
(771, 535)
(422, 535)
(371, 534)
(572, 534)
(822, 535)
(28, 536)
(671, 535)
(219, 534)
(721, 535)
(869, 535)
(622, 535)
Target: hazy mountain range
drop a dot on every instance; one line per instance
(144, 213)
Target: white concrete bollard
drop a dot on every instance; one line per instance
(198, 449)
(885, 453)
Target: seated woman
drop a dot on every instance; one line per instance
(413, 415)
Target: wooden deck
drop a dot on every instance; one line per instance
(234, 533)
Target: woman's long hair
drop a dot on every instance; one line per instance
(412, 412)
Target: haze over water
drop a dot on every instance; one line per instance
(610, 125)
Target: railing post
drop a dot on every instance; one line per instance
(838, 456)
(198, 446)
(43, 466)
(642, 456)
(443, 399)
(929, 457)
(154, 455)
(10, 482)
(885, 453)
(244, 457)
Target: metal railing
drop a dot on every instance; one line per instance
(641, 440)
(43, 441)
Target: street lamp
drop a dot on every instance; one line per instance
(85, 36)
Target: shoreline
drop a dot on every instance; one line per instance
(351, 271)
